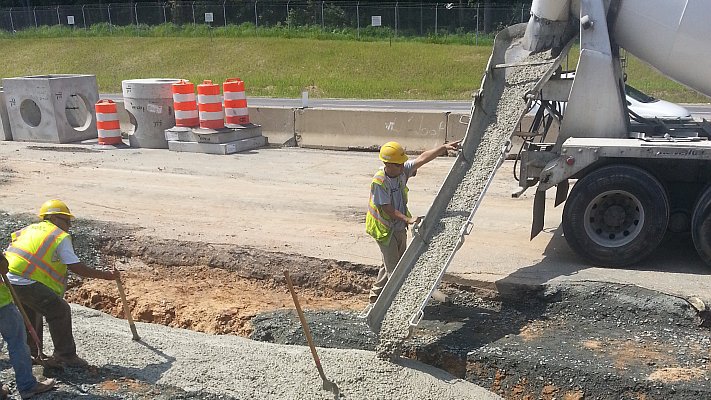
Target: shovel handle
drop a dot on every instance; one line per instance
(126, 310)
(28, 324)
(305, 326)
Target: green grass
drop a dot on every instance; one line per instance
(328, 65)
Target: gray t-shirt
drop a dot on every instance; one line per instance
(391, 193)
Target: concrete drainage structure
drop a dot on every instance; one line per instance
(5, 131)
(149, 103)
(51, 108)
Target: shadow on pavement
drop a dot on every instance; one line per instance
(675, 255)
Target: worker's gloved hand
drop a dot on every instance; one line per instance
(414, 220)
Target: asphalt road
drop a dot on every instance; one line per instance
(698, 111)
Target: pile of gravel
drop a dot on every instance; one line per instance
(448, 225)
(236, 367)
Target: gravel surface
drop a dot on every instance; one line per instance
(445, 235)
(207, 366)
(573, 342)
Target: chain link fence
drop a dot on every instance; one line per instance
(406, 19)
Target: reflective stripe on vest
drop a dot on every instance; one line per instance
(31, 255)
(377, 222)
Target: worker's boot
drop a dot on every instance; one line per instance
(40, 387)
(71, 362)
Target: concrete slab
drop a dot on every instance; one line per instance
(457, 126)
(369, 129)
(218, 148)
(52, 108)
(210, 135)
(277, 123)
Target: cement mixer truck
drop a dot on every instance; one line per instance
(636, 178)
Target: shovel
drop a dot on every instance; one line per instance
(327, 385)
(41, 358)
(127, 310)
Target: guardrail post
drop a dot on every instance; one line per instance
(477, 24)
(256, 20)
(135, 12)
(34, 14)
(358, 17)
(109, 11)
(59, 21)
(165, 18)
(83, 17)
(323, 26)
(436, 28)
(396, 12)
(12, 23)
(288, 21)
(192, 5)
(224, 12)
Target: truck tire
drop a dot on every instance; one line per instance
(616, 215)
(701, 226)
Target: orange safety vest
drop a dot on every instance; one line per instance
(378, 223)
(32, 255)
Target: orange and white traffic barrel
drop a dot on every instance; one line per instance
(210, 105)
(235, 102)
(107, 122)
(184, 104)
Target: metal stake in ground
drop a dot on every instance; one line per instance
(41, 358)
(327, 385)
(126, 310)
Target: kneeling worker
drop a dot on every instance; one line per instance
(39, 257)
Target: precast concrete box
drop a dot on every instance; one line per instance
(149, 103)
(5, 131)
(52, 108)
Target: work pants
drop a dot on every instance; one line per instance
(391, 252)
(13, 332)
(38, 298)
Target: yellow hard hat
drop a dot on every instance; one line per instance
(54, 206)
(392, 152)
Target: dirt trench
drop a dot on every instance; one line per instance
(579, 342)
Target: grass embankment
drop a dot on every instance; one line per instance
(272, 66)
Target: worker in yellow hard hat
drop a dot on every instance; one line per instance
(39, 258)
(388, 216)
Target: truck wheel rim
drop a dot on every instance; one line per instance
(614, 218)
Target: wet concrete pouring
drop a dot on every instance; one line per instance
(580, 341)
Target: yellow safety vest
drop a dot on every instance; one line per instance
(378, 223)
(5, 296)
(32, 255)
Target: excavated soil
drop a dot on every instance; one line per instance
(569, 342)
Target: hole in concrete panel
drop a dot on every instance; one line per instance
(133, 122)
(77, 112)
(30, 112)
